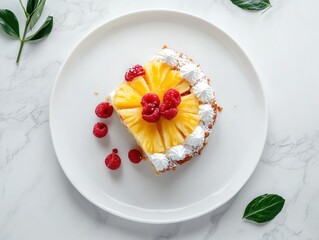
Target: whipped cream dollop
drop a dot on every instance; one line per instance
(203, 91)
(160, 161)
(196, 139)
(206, 113)
(177, 153)
(167, 56)
(191, 73)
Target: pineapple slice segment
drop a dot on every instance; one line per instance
(148, 137)
(186, 122)
(146, 133)
(189, 103)
(139, 85)
(170, 133)
(173, 80)
(131, 116)
(155, 74)
(126, 97)
(183, 87)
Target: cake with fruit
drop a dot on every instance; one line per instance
(169, 106)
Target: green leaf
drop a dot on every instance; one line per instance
(36, 14)
(44, 30)
(9, 23)
(254, 5)
(31, 5)
(264, 208)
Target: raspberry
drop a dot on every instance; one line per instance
(134, 72)
(151, 113)
(135, 156)
(104, 110)
(100, 130)
(113, 161)
(150, 98)
(168, 111)
(173, 97)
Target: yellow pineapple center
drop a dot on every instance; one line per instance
(159, 136)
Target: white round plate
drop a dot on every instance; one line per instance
(96, 67)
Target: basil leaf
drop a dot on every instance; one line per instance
(9, 23)
(254, 5)
(36, 14)
(44, 30)
(31, 5)
(264, 208)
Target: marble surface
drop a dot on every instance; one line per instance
(38, 202)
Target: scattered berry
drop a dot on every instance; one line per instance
(151, 113)
(100, 130)
(150, 98)
(168, 111)
(115, 150)
(104, 110)
(134, 72)
(173, 97)
(135, 156)
(113, 161)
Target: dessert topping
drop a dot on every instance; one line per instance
(191, 72)
(150, 98)
(134, 72)
(167, 56)
(151, 113)
(168, 111)
(177, 153)
(196, 139)
(173, 97)
(203, 91)
(206, 113)
(160, 161)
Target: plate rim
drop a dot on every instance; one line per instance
(185, 14)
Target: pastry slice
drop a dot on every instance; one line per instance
(169, 106)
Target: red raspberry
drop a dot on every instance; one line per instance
(134, 72)
(168, 111)
(151, 113)
(100, 130)
(104, 110)
(173, 96)
(150, 98)
(135, 156)
(113, 161)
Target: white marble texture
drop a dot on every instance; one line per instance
(38, 202)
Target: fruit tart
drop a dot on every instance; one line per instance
(169, 107)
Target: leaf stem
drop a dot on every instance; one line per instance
(22, 41)
(24, 10)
